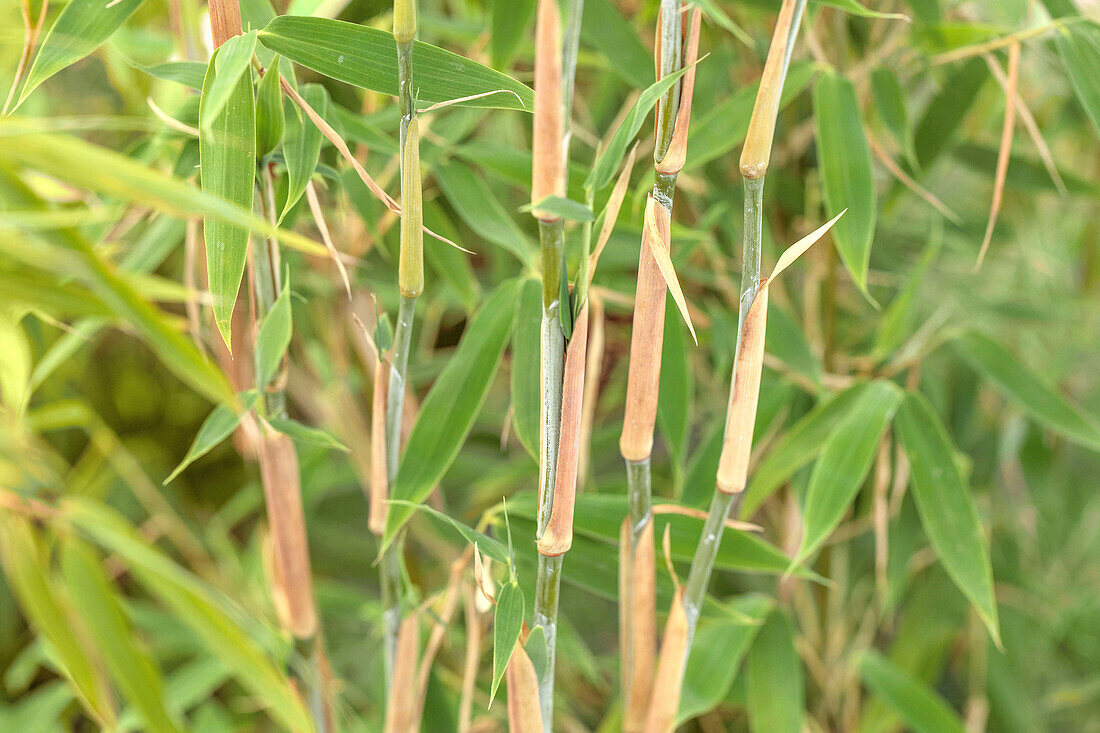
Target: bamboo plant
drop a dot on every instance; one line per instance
(376, 527)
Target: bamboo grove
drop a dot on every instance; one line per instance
(439, 366)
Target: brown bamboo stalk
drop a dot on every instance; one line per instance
(638, 639)
(644, 376)
(548, 166)
(286, 521)
(665, 703)
(524, 711)
(558, 536)
(756, 153)
(674, 159)
(379, 483)
(402, 715)
(733, 466)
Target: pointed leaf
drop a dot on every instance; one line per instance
(507, 623)
(302, 146)
(233, 59)
(946, 507)
(845, 461)
(526, 396)
(227, 151)
(845, 163)
(132, 667)
(776, 700)
(80, 29)
(273, 339)
(218, 425)
(449, 410)
(367, 58)
(1079, 48)
(922, 709)
(1003, 370)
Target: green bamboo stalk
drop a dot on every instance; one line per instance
(755, 158)
(554, 76)
(411, 284)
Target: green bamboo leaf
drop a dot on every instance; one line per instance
(113, 290)
(98, 169)
(526, 367)
(890, 108)
(28, 573)
(15, 362)
(481, 210)
(716, 654)
(561, 207)
(509, 27)
(273, 339)
(490, 547)
(613, 153)
(1079, 49)
(232, 60)
(188, 73)
(367, 57)
(898, 317)
(131, 666)
(946, 507)
(195, 605)
(921, 708)
(302, 146)
(1029, 391)
(449, 410)
(218, 425)
(776, 700)
(507, 623)
(845, 460)
(604, 28)
(856, 8)
(945, 113)
(306, 434)
(845, 163)
(270, 118)
(80, 29)
(786, 342)
(227, 150)
(798, 446)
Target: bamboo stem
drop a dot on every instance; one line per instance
(410, 284)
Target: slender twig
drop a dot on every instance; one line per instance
(411, 284)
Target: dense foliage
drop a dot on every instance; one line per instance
(207, 265)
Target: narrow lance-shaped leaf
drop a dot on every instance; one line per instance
(196, 606)
(231, 62)
(367, 57)
(270, 117)
(29, 579)
(218, 425)
(449, 410)
(509, 25)
(96, 168)
(775, 686)
(227, 151)
(273, 339)
(946, 507)
(604, 169)
(845, 163)
(844, 463)
(1079, 48)
(133, 669)
(507, 623)
(80, 29)
(922, 709)
(302, 143)
(1003, 370)
(525, 366)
